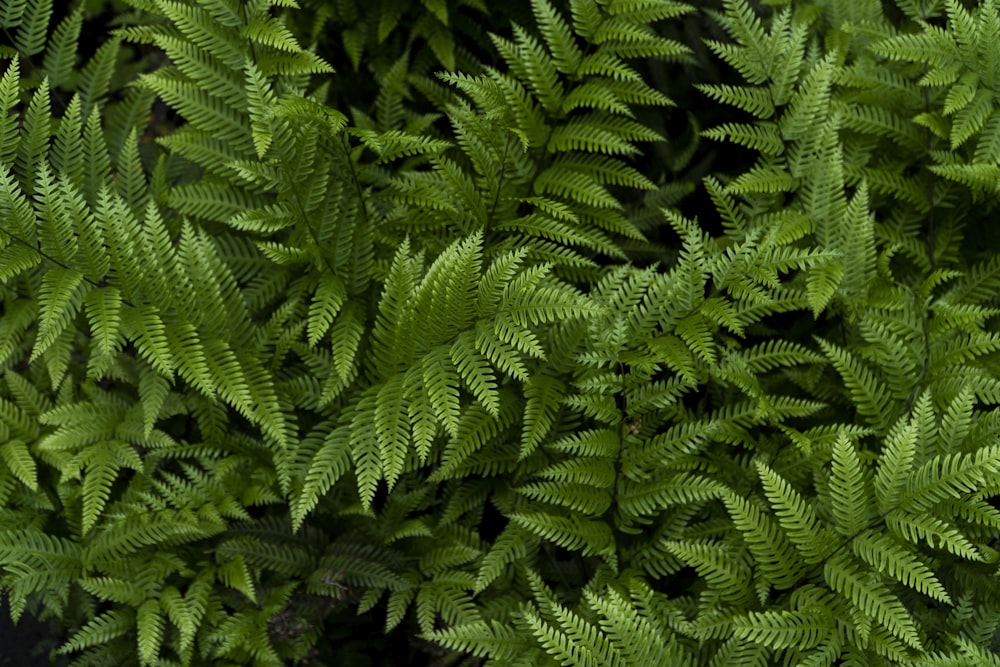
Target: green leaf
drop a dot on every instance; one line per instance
(326, 304)
(392, 428)
(19, 461)
(849, 493)
(61, 294)
(149, 621)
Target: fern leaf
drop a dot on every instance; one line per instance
(9, 99)
(270, 32)
(392, 428)
(153, 390)
(725, 574)
(103, 308)
(590, 537)
(60, 298)
(102, 629)
(15, 455)
(180, 615)
(576, 642)
(763, 137)
(500, 353)
(11, 13)
(894, 559)
(260, 101)
(441, 380)
(423, 419)
(560, 40)
(576, 497)
(186, 345)
(751, 99)
(950, 476)
(143, 324)
(867, 391)
(365, 448)
(774, 554)
(33, 27)
(800, 629)
(822, 282)
(956, 422)
(481, 638)
(650, 497)
(15, 260)
(936, 532)
(394, 306)
(871, 597)
(895, 465)
(848, 489)
(235, 574)
(149, 623)
(327, 301)
(797, 517)
(544, 395)
(61, 54)
(513, 543)
(102, 471)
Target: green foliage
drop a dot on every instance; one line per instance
(403, 323)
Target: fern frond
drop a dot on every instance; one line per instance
(887, 556)
(799, 629)
(871, 597)
(797, 517)
(849, 492)
(61, 295)
(773, 553)
(590, 537)
(497, 640)
(867, 391)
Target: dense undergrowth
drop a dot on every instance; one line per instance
(596, 332)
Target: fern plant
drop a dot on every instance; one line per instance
(280, 347)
